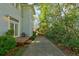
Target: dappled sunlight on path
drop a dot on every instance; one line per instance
(35, 41)
(42, 47)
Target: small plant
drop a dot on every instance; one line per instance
(34, 35)
(10, 32)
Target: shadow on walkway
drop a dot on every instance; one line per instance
(42, 47)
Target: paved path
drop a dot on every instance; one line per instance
(42, 47)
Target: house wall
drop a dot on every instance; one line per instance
(26, 22)
(7, 9)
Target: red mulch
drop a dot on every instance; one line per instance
(22, 40)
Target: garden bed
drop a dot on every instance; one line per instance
(67, 50)
(18, 49)
(22, 41)
(10, 46)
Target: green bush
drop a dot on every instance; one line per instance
(60, 33)
(73, 43)
(34, 35)
(56, 33)
(10, 32)
(6, 43)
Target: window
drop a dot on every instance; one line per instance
(12, 27)
(16, 29)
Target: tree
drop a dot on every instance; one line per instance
(43, 18)
(61, 20)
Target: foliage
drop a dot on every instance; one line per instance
(62, 20)
(43, 18)
(10, 32)
(34, 35)
(7, 42)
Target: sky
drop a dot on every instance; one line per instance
(36, 21)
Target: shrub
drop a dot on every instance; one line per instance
(6, 43)
(56, 33)
(61, 33)
(34, 35)
(73, 43)
(10, 32)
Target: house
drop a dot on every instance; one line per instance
(18, 17)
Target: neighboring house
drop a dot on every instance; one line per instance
(16, 16)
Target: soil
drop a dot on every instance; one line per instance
(67, 51)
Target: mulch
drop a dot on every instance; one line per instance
(66, 50)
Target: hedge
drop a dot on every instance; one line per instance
(6, 43)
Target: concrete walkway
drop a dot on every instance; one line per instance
(42, 47)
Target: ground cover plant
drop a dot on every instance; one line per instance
(7, 42)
